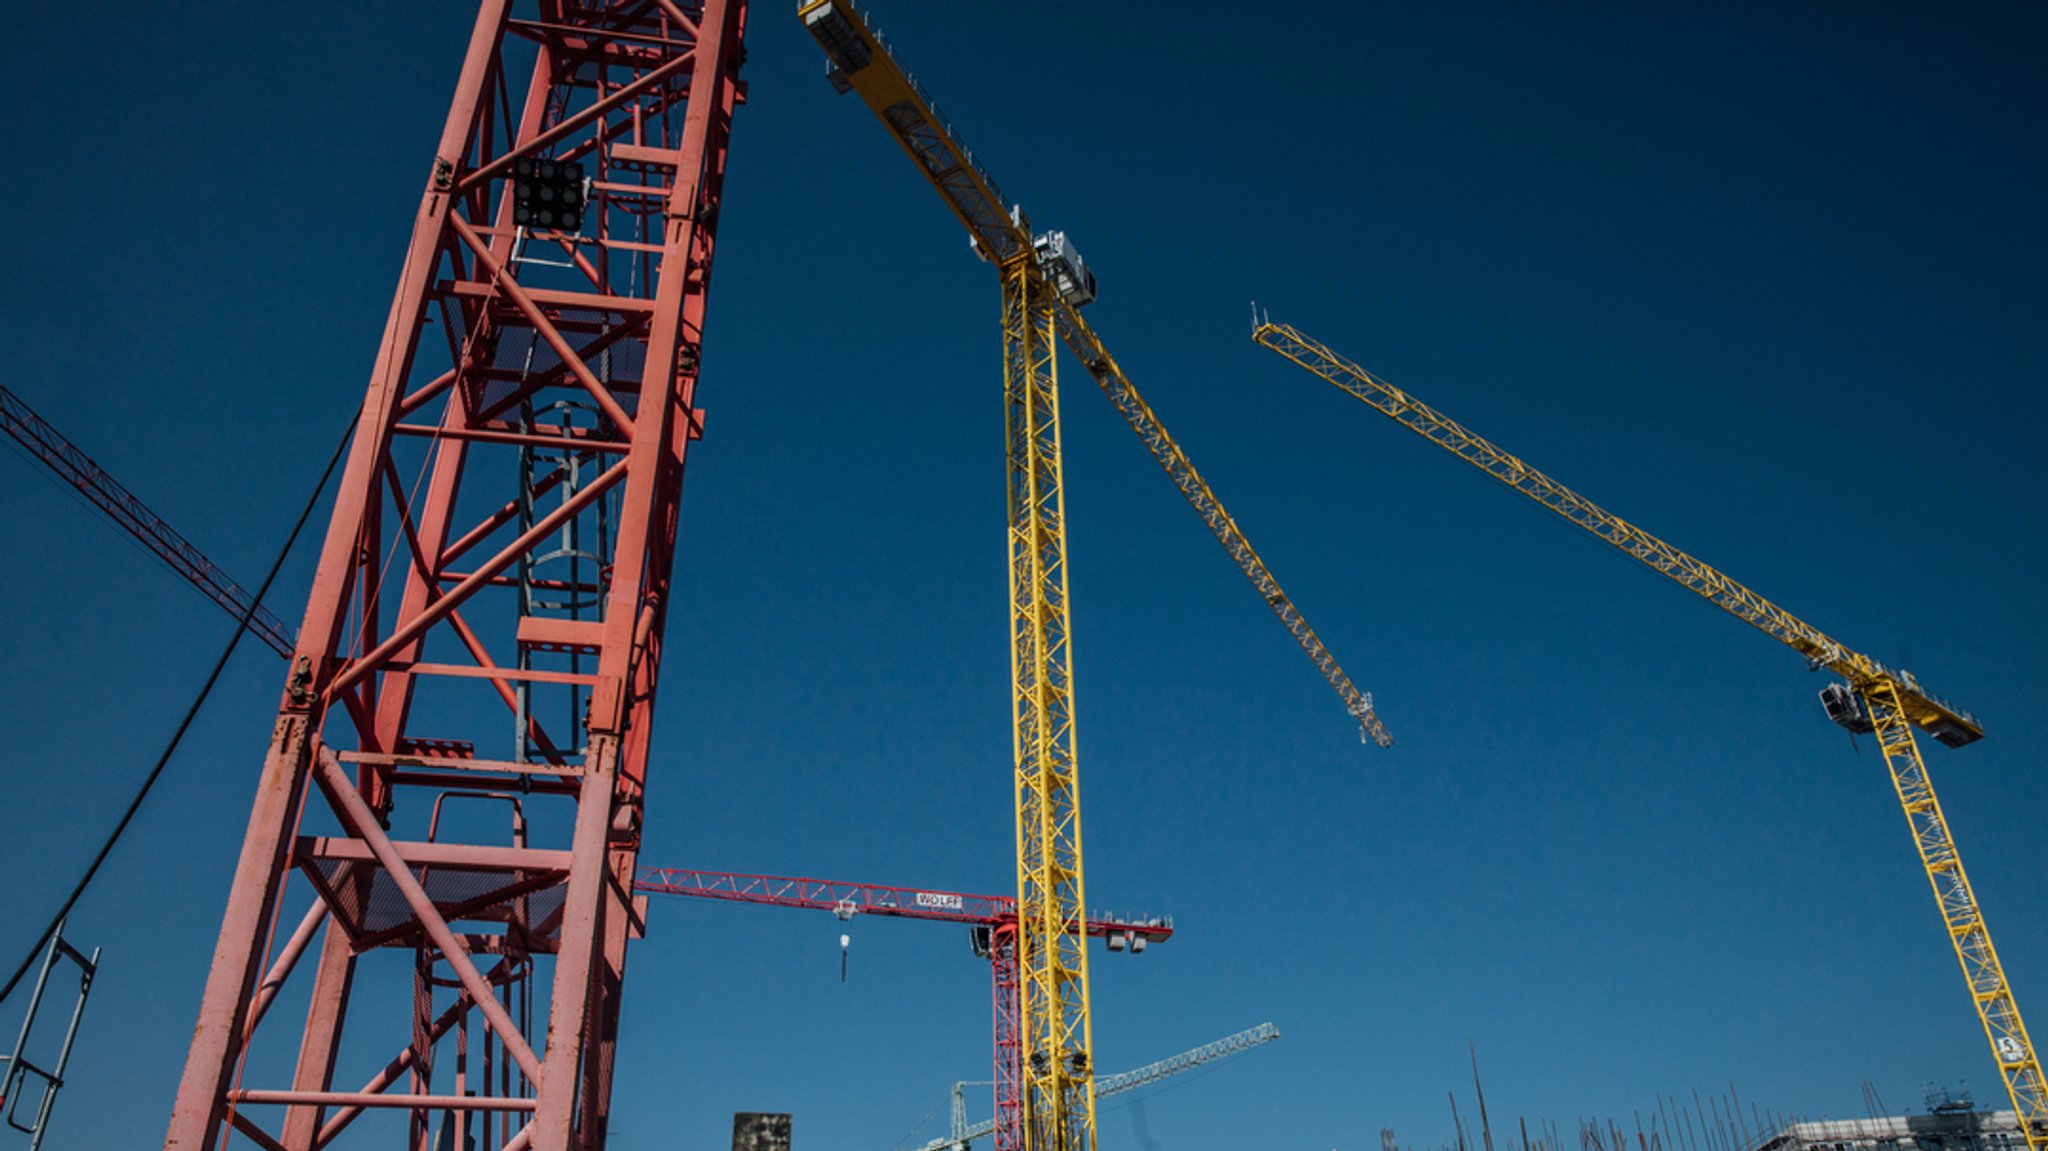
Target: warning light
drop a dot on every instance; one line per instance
(547, 195)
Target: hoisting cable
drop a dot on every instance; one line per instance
(149, 781)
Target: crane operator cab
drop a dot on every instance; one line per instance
(1065, 268)
(1845, 709)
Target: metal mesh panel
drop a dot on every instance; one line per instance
(368, 901)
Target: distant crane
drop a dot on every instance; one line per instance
(73, 466)
(1874, 698)
(963, 1132)
(1044, 282)
(991, 918)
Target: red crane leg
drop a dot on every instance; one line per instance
(505, 528)
(1009, 1062)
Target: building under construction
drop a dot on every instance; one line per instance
(1948, 1130)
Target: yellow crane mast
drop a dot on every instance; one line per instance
(1875, 698)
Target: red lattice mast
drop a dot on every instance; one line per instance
(470, 695)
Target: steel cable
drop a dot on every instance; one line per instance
(191, 713)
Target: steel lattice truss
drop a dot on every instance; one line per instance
(1137, 413)
(470, 696)
(1887, 701)
(1052, 965)
(1950, 725)
(860, 61)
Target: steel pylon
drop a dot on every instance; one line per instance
(470, 696)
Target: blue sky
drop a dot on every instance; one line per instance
(1763, 278)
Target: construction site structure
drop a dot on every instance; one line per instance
(962, 1133)
(1873, 698)
(991, 918)
(48, 446)
(504, 529)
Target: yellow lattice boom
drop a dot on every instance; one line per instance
(1886, 701)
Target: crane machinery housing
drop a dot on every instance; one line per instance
(1870, 698)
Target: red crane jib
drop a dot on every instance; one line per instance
(873, 899)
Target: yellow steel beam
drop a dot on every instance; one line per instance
(2011, 1049)
(1058, 1071)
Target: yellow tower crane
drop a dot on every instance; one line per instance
(1875, 698)
(1044, 281)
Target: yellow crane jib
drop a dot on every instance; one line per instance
(1950, 725)
(1138, 414)
(1876, 699)
(859, 61)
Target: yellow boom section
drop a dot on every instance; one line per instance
(1885, 701)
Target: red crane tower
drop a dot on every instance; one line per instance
(504, 528)
(993, 919)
